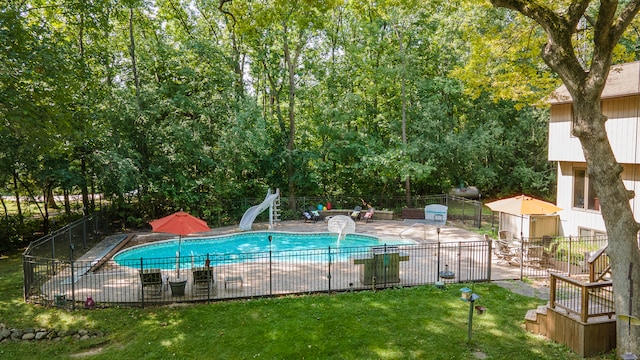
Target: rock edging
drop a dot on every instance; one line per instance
(32, 334)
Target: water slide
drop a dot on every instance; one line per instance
(250, 215)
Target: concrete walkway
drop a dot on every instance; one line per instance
(538, 289)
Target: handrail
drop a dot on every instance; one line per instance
(595, 259)
(409, 228)
(591, 296)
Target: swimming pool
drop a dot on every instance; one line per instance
(245, 247)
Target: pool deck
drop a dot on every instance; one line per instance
(230, 285)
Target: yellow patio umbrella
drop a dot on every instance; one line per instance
(523, 205)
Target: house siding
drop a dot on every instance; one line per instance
(621, 105)
(622, 130)
(571, 220)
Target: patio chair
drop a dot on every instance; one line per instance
(505, 235)
(368, 216)
(534, 256)
(308, 216)
(315, 215)
(203, 279)
(151, 278)
(506, 252)
(355, 214)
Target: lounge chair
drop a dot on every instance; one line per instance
(315, 215)
(151, 278)
(310, 215)
(203, 278)
(368, 216)
(355, 214)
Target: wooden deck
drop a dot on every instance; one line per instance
(580, 314)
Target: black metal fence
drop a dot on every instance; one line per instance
(78, 237)
(218, 277)
(54, 276)
(536, 257)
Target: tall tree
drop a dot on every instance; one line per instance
(279, 32)
(610, 19)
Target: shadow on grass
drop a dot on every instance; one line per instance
(410, 323)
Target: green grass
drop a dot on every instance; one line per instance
(411, 323)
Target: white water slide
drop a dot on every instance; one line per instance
(250, 215)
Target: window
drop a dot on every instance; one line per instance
(585, 232)
(584, 196)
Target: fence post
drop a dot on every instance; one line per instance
(569, 257)
(489, 256)
(270, 270)
(385, 263)
(463, 215)
(73, 280)
(329, 268)
(521, 258)
(207, 267)
(141, 284)
(459, 261)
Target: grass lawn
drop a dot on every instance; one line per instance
(411, 323)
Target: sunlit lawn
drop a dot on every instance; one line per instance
(412, 323)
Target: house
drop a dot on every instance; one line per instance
(575, 195)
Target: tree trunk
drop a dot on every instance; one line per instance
(67, 205)
(403, 81)
(132, 53)
(51, 200)
(585, 87)
(17, 194)
(86, 206)
(291, 63)
(622, 229)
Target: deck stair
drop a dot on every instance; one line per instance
(580, 313)
(536, 320)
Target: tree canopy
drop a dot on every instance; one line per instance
(188, 103)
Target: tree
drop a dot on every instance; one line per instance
(585, 83)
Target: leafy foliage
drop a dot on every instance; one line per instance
(168, 105)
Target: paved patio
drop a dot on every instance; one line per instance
(124, 285)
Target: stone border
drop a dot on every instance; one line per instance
(31, 334)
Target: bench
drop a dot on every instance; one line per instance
(413, 213)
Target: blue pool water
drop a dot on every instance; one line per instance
(246, 247)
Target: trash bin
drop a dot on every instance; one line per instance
(177, 287)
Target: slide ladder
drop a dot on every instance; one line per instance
(250, 215)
